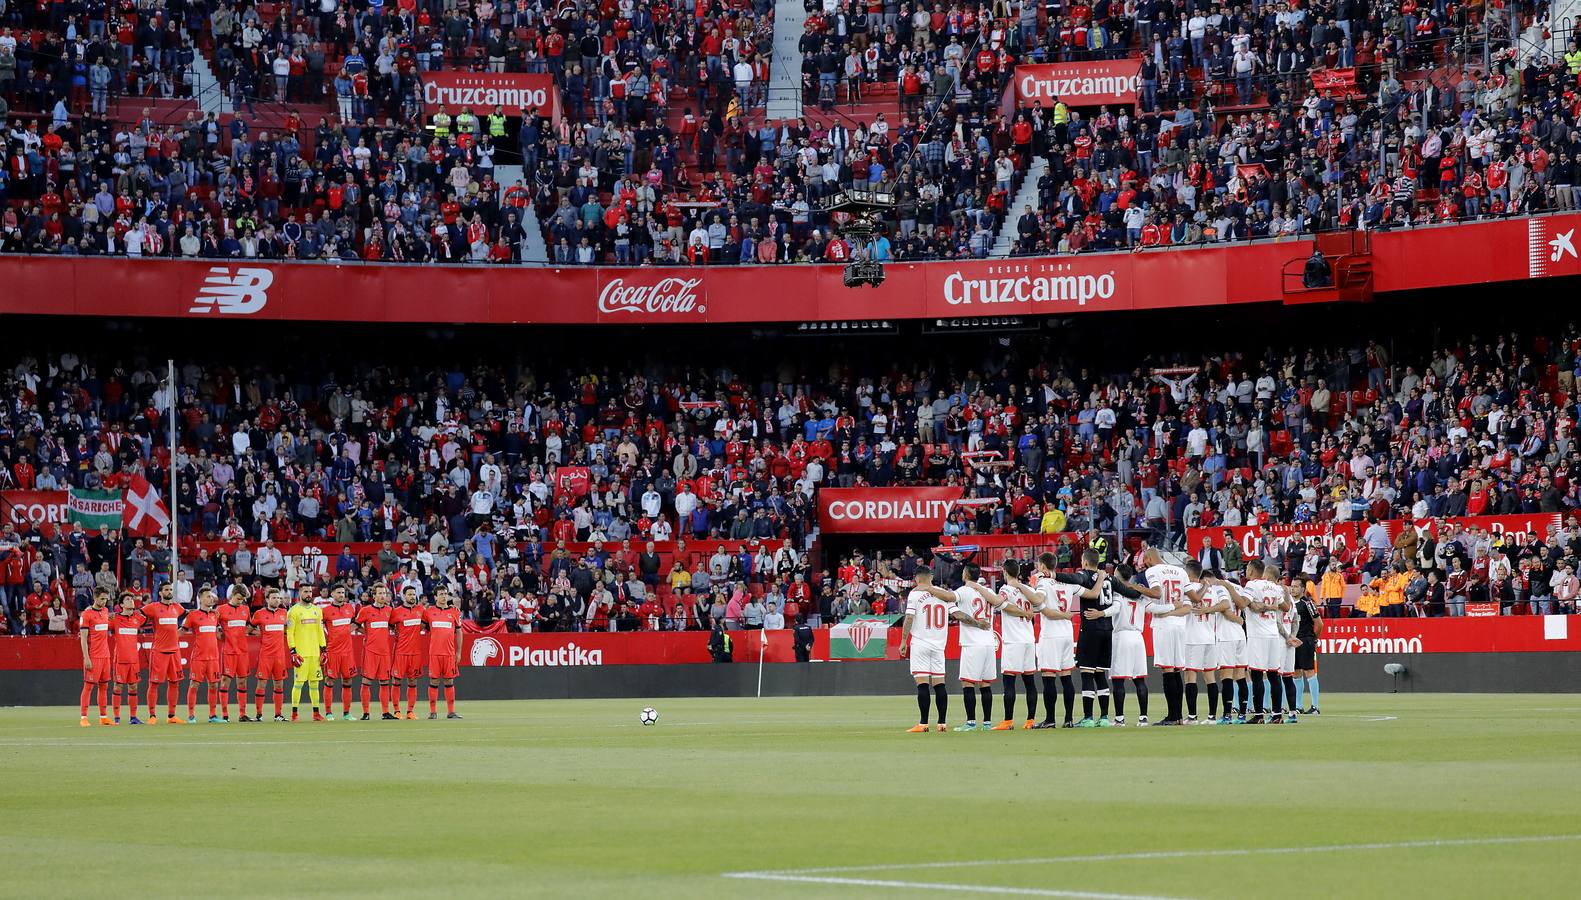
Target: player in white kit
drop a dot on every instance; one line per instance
(1265, 649)
(1017, 652)
(1058, 606)
(1286, 677)
(978, 645)
(1129, 652)
(1229, 646)
(1208, 599)
(1169, 632)
(923, 633)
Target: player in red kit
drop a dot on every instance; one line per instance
(444, 652)
(93, 633)
(339, 660)
(127, 626)
(273, 660)
(374, 623)
(406, 621)
(203, 655)
(164, 659)
(235, 659)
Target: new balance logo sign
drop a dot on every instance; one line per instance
(241, 294)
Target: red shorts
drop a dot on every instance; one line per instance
(273, 668)
(376, 666)
(408, 665)
(204, 670)
(100, 673)
(442, 665)
(128, 671)
(236, 665)
(340, 664)
(164, 667)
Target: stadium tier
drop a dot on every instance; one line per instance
(640, 132)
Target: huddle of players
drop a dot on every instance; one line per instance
(314, 642)
(1247, 643)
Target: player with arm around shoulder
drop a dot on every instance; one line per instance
(203, 655)
(340, 661)
(978, 645)
(126, 625)
(1058, 605)
(1229, 649)
(1208, 598)
(923, 631)
(444, 652)
(304, 635)
(1018, 650)
(93, 634)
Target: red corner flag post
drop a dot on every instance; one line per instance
(144, 514)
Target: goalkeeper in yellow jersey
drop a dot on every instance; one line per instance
(304, 634)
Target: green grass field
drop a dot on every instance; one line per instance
(1452, 796)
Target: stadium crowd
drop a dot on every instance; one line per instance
(454, 468)
(1231, 140)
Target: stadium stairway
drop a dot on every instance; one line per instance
(784, 88)
(1026, 195)
(534, 250)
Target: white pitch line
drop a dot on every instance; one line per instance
(940, 886)
(1168, 854)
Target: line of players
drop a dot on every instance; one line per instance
(314, 643)
(1252, 645)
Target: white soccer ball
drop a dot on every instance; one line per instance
(650, 716)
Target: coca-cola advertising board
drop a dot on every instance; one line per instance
(1111, 81)
(651, 295)
(482, 91)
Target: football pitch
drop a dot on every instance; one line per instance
(1383, 796)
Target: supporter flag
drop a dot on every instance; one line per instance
(143, 513)
(861, 637)
(573, 481)
(94, 509)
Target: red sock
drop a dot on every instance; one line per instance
(411, 697)
(367, 696)
(87, 694)
(173, 690)
(214, 688)
(153, 700)
(258, 697)
(450, 698)
(104, 690)
(384, 698)
(433, 699)
(279, 699)
(345, 700)
(328, 694)
(115, 702)
(225, 701)
(192, 699)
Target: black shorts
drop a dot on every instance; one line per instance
(1306, 655)
(1093, 648)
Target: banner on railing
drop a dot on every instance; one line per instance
(885, 510)
(1407, 259)
(1108, 81)
(481, 92)
(1341, 537)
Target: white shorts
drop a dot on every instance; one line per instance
(1265, 654)
(1169, 647)
(1289, 665)
(1129, 656)
(927, 660)
(1017, 659)
(1231, 654)
(1201, 657)
(977, 664)
(1057, 654)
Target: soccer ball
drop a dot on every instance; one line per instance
(650, 716)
